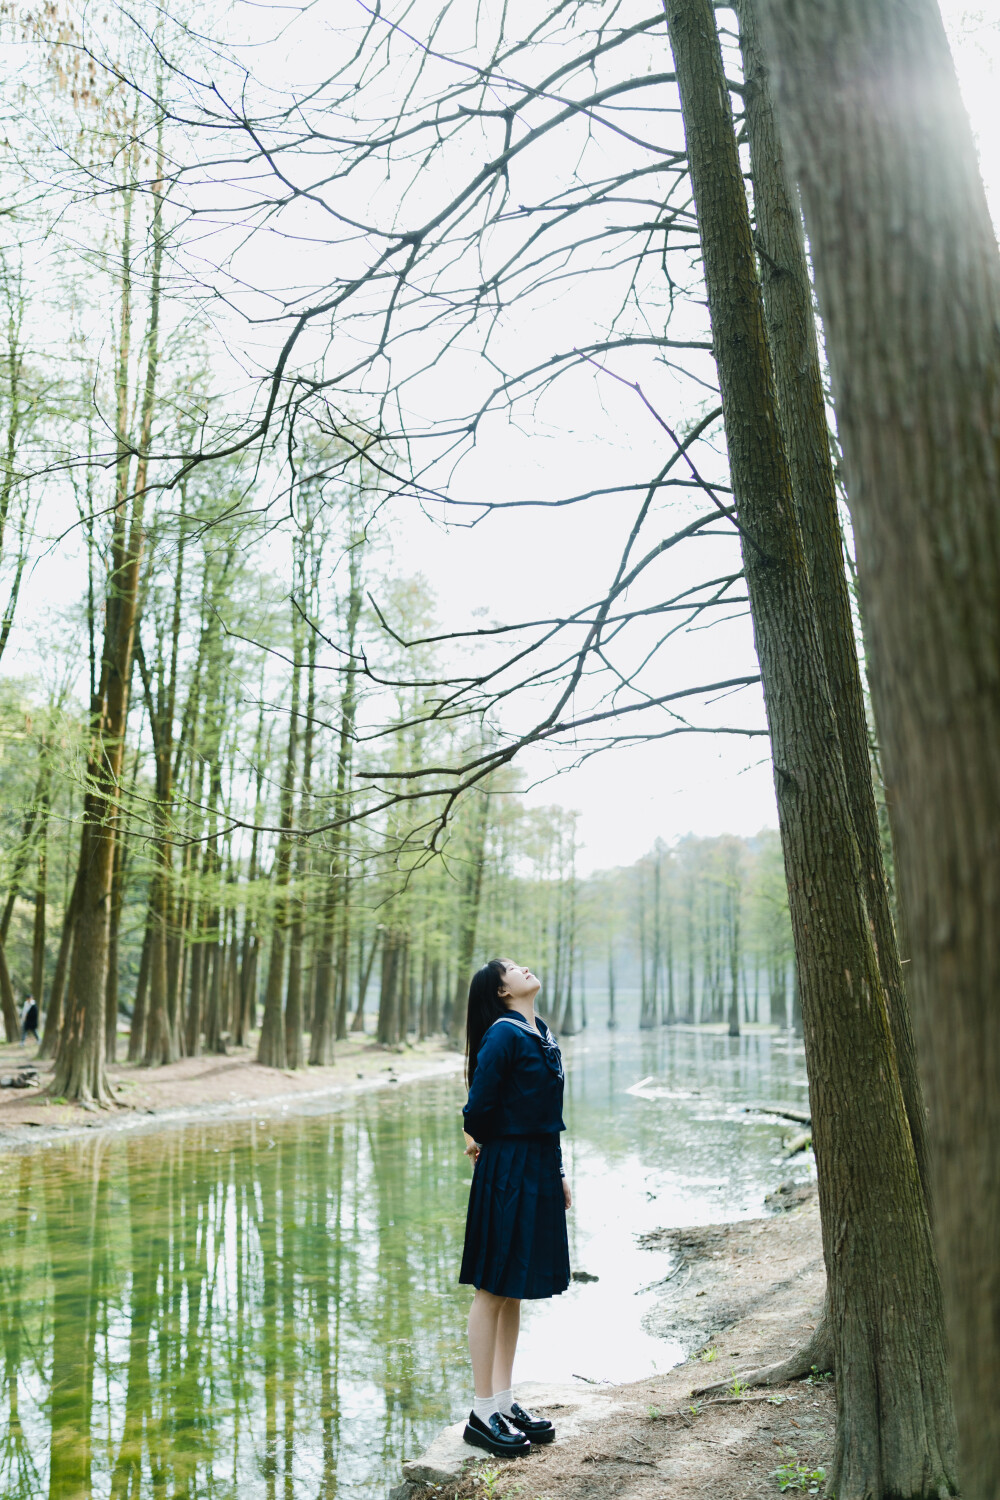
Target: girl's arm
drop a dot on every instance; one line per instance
(492, 1067)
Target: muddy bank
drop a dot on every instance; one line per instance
(740, 1295)
(196, 1087)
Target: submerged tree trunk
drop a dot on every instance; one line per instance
(894, 1430)
(908, 280)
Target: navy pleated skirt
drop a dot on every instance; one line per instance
(515, 1232)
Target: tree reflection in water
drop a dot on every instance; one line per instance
(262, 1308)
(267, 1310)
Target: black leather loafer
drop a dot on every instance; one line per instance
(497, 1436)
(536, 1429)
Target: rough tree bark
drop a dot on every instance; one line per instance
(894, 1428)
(908, 281)
(791, 329)
(79, 1066)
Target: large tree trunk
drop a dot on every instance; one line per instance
(11, 1020)
(79, 1068)
(387, 1026)
(908, 280)
(791, 328)
(894, 1429)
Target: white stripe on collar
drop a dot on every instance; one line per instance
(518, 1020)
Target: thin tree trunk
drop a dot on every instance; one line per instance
(470, 916)
(38, 926)
(330, 1010)
(137, 1030)
(114, 928)
(358, 1024)
(894, 1431)
(434, 1008)
(53, 1015)
(80, 1069)
(612, 1022)
(293, 995)
(271, 1047)
(343, 960)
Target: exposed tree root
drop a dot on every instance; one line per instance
(815, 1353)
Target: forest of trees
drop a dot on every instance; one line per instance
(259, 316)
(694, 933)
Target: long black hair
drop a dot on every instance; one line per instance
(485, 1006)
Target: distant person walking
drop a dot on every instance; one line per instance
(515, 1234)
(29, 1021)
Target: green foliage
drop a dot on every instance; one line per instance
(486, 1479)
(817, 1376)
(792, 1475)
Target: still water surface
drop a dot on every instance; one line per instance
(267, 1307)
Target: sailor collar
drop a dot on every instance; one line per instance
(550, 1047)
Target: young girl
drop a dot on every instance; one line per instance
(515, 1234)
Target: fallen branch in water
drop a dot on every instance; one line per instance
(786, 1112)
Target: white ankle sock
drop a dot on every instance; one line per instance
(484, 1407)
(504, 1401)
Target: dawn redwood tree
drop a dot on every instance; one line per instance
(271, 1047)
(79, 1069)
(894, 1428)
(791, 330)
(908, 280)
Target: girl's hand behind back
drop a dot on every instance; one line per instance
(567, 1194)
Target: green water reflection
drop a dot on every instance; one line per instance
(267, 1308)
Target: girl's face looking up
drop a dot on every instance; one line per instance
(518, 983)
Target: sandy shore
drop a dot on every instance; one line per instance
(211, 1085)
(740, 1295)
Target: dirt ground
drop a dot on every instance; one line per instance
(758, 1286)
(206, 1085)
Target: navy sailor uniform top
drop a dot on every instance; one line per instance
(517, 1087)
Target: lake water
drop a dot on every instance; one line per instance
(267, 1307)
